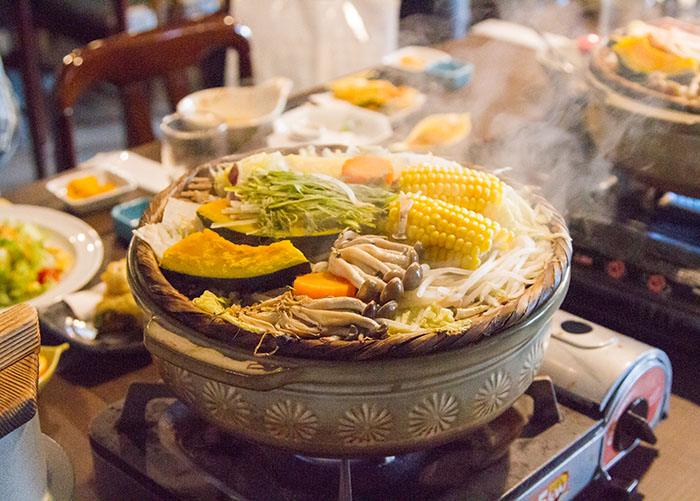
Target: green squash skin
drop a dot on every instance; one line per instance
(193, 285)
(314, 247)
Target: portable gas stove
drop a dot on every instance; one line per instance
(637, 269)
(611, 391)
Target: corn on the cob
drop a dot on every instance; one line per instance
(451, 235)
(469, 188)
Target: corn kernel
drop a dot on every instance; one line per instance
(452, 235)
(468, 188)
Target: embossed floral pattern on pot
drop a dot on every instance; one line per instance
(492, 395)
(290, 421)
(433, 415)
(533, 362)
(225, 403)
(365, 425)
(181, 380)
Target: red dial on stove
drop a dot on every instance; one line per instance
(650, 386)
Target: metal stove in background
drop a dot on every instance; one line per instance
(612, 391)
(636, 267)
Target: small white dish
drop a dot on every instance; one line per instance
(330, 123)
(244, 109)
(414, 58)
(394, 116)
(436, 131)
(123, 183)
(151, 176)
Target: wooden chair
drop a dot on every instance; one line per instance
(130, 62)
(28, 58)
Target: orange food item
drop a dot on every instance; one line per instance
(641, 56)
(88, 186)
(367, 169)
(319, 285)
(413, 62)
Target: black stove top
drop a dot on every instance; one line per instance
(636, 264)
(155, 448)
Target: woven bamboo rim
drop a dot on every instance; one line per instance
(178, 307)
(603, 72)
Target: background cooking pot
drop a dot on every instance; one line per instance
(657, 145)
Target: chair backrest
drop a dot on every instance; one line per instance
(130, 62)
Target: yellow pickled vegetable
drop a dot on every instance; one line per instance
(88, 186)
(439, 129)
(638, 54)
(451, 235)
(468, 188)
(372, 94)
(43, 365)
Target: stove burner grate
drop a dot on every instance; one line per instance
(163, 450)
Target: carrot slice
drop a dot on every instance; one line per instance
(318, 285)
(367, 169)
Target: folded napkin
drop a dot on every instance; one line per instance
(151, 176)
(83, 305)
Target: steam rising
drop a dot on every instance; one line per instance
(539, 135)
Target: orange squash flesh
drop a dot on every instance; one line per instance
(320, 285)
(367, 169)
(207, 261)
(641, 56)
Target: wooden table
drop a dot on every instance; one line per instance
(84, 383)
(517, 88)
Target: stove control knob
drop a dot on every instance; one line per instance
(617, 488)
(633, 425)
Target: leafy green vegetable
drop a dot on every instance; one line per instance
(225, 309)
(220, 178)
(431, 317)
(314, 202)
(211, 303)
(27, 268)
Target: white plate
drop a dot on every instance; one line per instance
(422, 56)
(69, 234)
(150, 175)
(394, 116)
(330, 123)
(123, 183)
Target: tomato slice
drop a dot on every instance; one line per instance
(48, 274)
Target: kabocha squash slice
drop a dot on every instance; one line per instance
(206, 261)
(639, 55)
(313, 245)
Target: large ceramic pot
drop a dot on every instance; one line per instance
(357, 408)
(333, 398)
(650, 137)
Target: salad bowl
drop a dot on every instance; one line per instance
(335, 398)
